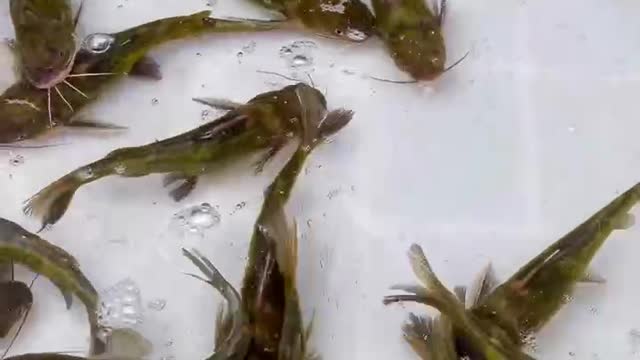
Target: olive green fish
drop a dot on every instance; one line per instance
(45, 44)
(268, 291)
(413, 34)
(343, 19)
(26, 112)
(20, 246)
(435, 294)
(266, 122)
(530, 298)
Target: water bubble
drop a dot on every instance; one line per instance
(571, 129)
(298, 54)
(155, 101)
(197, 218)
(16, 160)
(120, 305)
(249, 48)
(301, 60)
(157, 304)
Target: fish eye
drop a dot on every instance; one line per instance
(338, 32)
(98, 43)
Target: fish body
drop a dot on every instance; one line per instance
(26, 111)
(45, 41)
(268, 293)
(412, 33)
(487, 345)
(20, 246)
(530, 298)
(265, 122)
(350, 20)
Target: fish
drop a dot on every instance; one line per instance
(268, 286)
(433, 293)
(349, 20)
(46, 43)
(19, 246)
(265, 123)
(533, 295)
(232, 335)
(412, 32)
(27, 112)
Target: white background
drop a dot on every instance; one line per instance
(534, 132)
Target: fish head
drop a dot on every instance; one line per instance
(419, 50)
(349, 20)
(45, 40)
(15, 299)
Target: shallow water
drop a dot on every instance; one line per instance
(531, 134)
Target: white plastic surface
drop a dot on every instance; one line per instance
(531, 134)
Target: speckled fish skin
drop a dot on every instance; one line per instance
(24, 109)
(413, 35)
(265, 288)
(530, 298)
(40, 256)
(45, 40)
(349, 20)
(266, 122)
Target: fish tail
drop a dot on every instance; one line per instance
(416, 331)
(433, 286)
(51, 203)
(230, 337)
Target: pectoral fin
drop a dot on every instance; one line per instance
(624, 222)
(146, 67)
(591, 277)
(86, 123)
(68, 298)
(276, 146)
(218, 103)
(185, 186)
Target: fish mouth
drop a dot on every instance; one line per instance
(46, 79)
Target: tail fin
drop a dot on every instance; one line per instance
(416, 331)
(52, 202)
(230, 337)
(484, 284)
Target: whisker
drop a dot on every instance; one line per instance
(91, 74)
(457, 62)
(76, 89)
(63, 99)
(49, 107)
(393, 81)
(276, 74)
